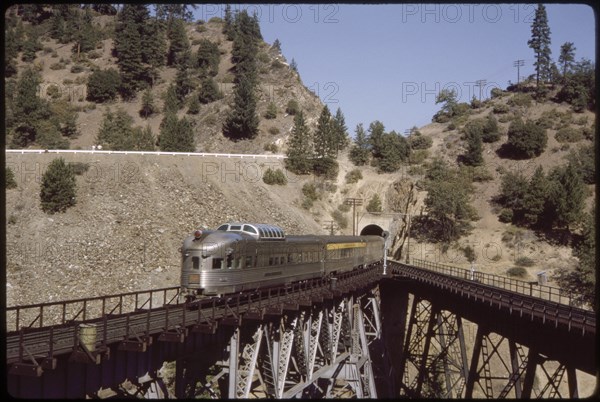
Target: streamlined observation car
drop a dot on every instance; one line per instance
(247, 256)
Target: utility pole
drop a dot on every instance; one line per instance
(517, 64)
(331, 226)
(480, 84)
(354, 202)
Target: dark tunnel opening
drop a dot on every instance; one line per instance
(372, 230)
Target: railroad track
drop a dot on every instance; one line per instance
(546, 311)
(172, 321)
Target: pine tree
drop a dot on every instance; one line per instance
(567, 56)
(535, 197)
(324, 135)
(116, 131)
(143, 139)
(154, 47)
(394, 150)
(540, 43)
(69, 129)
(359, 153)
(208, 57)
(57, 191)
(183, 83)
(277, 45)
(148, 106)
(171, 101)
(566, 196)
(209, 91)
(129, 31)
(581, 282)
(376, 132)
(129, 53)
(473, 134)
(340, 131)
(242, 121)
(176, 135)
(179, 49)
(299, 153)
(86, 36)
(28, 107)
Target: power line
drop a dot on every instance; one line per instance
(354, 202)
(331, 226)
(480, 84)
(517, 64)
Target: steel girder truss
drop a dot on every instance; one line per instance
(319, 352)
(435, 363)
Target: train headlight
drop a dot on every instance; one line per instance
(194, 278)
(197, 234)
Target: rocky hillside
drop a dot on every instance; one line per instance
(132, 212)
(65, 76)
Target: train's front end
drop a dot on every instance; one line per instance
(204, 257)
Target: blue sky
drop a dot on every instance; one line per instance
(387, 62)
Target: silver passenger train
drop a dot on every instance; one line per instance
(245, 256)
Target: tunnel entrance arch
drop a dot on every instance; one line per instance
(372, 230)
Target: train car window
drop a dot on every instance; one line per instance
(223, 227)
(249, 229)
(217, 263)
(196, 262)
(270, 260)
(235, 227)
(230, 261)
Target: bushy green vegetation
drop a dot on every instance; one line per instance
(447, 203)
(274, 177)
(374, 204)
(292, 107)
(353, 176)
(117, 133)
(526, 139)
(451, 108)
(524, 262)
(543, 201)
(58, 187)
(271, 112)
(569, 134)
(340, 219)
(517, 272)
(581, 281)
(310, 191)
(416, 140)
(176, 134)
(9, 178)
(103, 85)
(520, 99)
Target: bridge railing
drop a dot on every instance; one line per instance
(109, 152)
(533, 289)
(63, 312)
